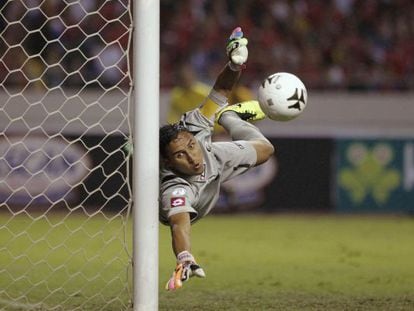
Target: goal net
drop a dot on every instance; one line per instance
(65, 194)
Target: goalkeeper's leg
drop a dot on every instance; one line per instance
(231, 119)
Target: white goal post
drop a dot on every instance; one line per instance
(69, 230)
(146, 165)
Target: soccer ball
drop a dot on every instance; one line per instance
(282, 96)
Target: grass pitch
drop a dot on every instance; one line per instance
(252, 262)
(279, 262)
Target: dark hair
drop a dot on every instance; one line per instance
(167, 134)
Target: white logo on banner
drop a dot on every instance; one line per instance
(40, 167)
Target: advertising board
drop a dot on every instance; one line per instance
(375, 175)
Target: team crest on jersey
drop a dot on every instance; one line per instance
(178, 192)
(178, 201)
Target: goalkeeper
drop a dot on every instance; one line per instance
(193, 167)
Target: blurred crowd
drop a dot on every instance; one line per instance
(51, 43)
(330, 44)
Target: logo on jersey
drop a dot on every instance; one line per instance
(178, 191)
(179, 201)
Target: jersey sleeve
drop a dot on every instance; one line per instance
(175, 200)
(198, 125)
(196, 122)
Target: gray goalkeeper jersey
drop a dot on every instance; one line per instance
(198, 194)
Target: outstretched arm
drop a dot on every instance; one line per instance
(237, 53)
(186, 265)
(226, 80)
(180, 232)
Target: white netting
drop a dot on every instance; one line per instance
(64, 175)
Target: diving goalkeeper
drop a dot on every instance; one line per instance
(193, 167)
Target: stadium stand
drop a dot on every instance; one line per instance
(336, 44)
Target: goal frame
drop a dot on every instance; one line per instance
(146, 158)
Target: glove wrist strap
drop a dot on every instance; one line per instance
(236, 67)
(218, 98)
(185, 256)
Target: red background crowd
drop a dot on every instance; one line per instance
(332, 44)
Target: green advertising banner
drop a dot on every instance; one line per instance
(375, 175)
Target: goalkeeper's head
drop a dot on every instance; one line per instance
(180, 150)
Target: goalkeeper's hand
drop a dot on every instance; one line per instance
(186, 267)
(237, 49)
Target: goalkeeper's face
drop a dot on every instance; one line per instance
(184, 155)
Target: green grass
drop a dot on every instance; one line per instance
(298, 263)
(263, 262)
(71, 261)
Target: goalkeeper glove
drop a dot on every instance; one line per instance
(237, 50)
(186, 267)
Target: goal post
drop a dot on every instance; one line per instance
(146, 137)
(78, 223)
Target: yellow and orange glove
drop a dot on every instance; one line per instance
(186, 267)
